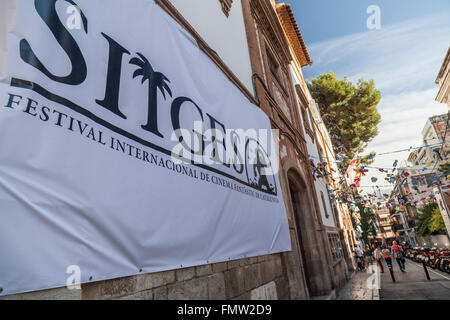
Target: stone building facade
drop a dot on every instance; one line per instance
(309, 265)
(415, 189)
(443, 80)
(319, 148)
(254, 53)
(384, 220)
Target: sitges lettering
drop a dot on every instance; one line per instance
(157, 86)
(155, 80)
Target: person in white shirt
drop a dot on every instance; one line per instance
(359, 257)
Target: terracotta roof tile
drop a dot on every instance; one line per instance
(293, 33)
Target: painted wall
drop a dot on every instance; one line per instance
(224, 35)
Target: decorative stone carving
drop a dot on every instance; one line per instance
(226, 6)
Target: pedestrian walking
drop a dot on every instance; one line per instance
(398, 255)
(368, 255)
(359, 258)
(386, 253)
(377, 256)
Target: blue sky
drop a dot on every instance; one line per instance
(403, 57)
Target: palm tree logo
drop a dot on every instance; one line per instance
(156, 80)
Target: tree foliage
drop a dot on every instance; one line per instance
(368, 159)
(349, 112)
(368, 223)
(437, 225)
(429, 221)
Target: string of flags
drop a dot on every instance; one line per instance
(319, 170)
(359, 171)
(395, 176)
(428, 166)
(399, 205)
(370, 156)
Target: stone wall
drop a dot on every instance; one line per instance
(252, 278)
(51, 294)
(341, 273)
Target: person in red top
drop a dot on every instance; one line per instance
(377, 255)
(398, 255)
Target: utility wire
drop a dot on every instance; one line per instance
(437, 160)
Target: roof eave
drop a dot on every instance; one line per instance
(286, 14)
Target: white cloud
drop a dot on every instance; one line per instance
(403, 117)
(397, 57)
(404, 60)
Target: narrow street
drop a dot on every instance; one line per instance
(357, 289)
(413, 284)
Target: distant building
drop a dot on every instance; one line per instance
(384, 221)
(443, 80)
(422, 181)
(436, 130)
(402, 215)
(426, 161)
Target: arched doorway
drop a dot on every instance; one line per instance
(295, 197)
(309, 242)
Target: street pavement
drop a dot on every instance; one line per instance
(357, 288)
(413, 284)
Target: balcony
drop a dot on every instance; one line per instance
(397, 227)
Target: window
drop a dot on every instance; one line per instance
(305, 113)
(335, 246)
(324, 205)
(274, 68)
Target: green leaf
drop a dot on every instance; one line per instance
(349, 111)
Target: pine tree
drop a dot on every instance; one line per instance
(349, 112)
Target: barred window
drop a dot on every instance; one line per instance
(335, 246)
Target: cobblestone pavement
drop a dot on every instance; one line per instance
(357, 288)
(413, 284)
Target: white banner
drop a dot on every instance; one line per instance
(92, 99)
